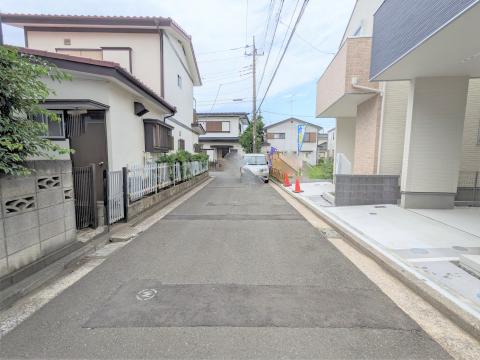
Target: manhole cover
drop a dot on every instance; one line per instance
(460, 248)
(419, 251)
(372, 213)
(146, 294)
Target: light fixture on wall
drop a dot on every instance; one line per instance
(139, 109)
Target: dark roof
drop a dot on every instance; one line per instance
(99, 67)
(17, 19)
(293, 119)
(218, 139)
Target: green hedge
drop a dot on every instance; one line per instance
(181, 156)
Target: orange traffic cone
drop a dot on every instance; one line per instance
(286, 180)
(297, 186)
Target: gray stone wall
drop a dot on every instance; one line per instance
(37, 213)
(366, 189)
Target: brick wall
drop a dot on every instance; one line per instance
(367, 136)
(37, 214)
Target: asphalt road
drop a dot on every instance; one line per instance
(233, 272)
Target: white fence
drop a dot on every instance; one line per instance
(150, 178)
(115, 196)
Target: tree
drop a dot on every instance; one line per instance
(246, 139)
(21, 93)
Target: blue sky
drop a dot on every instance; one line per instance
(220, 30)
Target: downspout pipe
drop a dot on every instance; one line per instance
(365, 88)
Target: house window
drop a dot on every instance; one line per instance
(218, 126)
(181, 144)
(67, 42)
(310, 137)
(55, 127)
(179, 81)
(275, 135)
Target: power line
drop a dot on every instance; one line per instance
(246, 24)
(288, 28)
(224, 50)
(271, 6)
(220, 59)
(296, 115)
(271, 42)
(300, 14)
(309, 43)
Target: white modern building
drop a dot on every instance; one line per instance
(283, 136)
(441, 62)
(153, 49)
(222, 133)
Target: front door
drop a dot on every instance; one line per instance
(91, 147)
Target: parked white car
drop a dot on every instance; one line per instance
(255, 164)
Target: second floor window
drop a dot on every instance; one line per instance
(275, 135)
(179, 81)
(217, 126)
(310, 137)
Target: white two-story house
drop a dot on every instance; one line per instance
(222, 134)
(155, 50)
(283, 137)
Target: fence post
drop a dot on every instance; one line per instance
(125, 193)
(105, 198)
(94, 196)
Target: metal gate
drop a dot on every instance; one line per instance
(85, 196)
(115, 196)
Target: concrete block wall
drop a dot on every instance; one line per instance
(366, 189)
(37, 213)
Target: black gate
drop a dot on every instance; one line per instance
(85, 196)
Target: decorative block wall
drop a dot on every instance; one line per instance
(37, 213)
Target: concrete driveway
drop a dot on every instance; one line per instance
(234, 272)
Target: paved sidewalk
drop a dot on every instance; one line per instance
(427, 242)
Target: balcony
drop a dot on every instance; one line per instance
(414, 38)
(337, 96)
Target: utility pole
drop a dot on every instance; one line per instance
(254, 114)
(254, 55)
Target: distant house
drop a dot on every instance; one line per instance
(222, 133)
(322, 146)
(331, 143)
(283, 137)
(155, 50)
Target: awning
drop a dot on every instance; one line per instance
(73, 104)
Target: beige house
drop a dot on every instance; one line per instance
(372, 114)
(283, 137)
(153, 49)
(222, 133)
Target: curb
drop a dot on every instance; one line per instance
(14, 292)
(422, 286)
